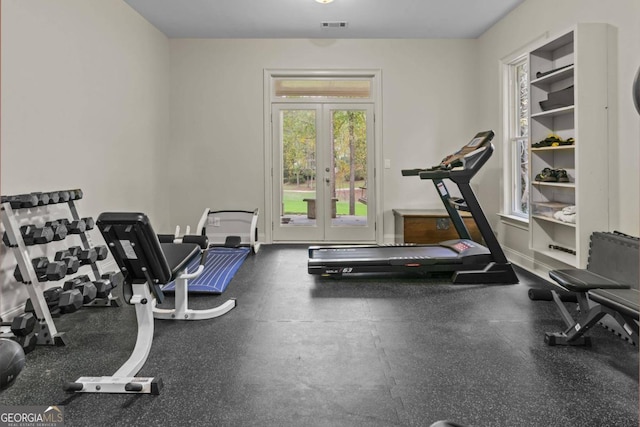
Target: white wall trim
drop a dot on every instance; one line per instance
(526, 262)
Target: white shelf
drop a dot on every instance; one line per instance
(554, 184)
(559, 147)
(561, 256)
(553, 220)
(554, 77)
(555, 112)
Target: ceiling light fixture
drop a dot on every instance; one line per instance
(324, 1)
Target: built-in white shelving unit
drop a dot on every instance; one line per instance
(580, 60)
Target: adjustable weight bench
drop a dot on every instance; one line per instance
(609, 285)
(146, 265)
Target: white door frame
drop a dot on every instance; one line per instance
(376, 76)
(325, 228)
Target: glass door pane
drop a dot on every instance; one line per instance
(349, 183)
(298, 168)
(349, 165)
(296, 201)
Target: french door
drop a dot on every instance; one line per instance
(323, 169)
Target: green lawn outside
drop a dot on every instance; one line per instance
(294, 204)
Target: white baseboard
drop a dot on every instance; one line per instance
(526, 262)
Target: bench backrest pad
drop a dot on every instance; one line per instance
(615, 256)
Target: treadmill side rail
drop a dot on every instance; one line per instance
(493, 273)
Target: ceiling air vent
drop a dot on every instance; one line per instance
(334, 24)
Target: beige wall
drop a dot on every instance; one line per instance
(428, 100)
(95, 97)
(85, 104)
(524, 24)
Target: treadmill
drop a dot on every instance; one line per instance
(467, 261)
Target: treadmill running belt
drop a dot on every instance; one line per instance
(385, 253)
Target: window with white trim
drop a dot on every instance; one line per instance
(517, 114)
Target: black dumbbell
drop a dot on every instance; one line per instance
(59, 229)
(5, 240)
(21, 201)
(39, 236)
(43, 198)
(70, 301)
(86, 256)
(22, 328)
(102, 252)
(77, 226)
(72, 262)
(17, 274)
(84, 285)
(75, 194)
(56, 270)
(52, 294)
(89, 223)
(74, 250)
(40, 265)
(32, 235)
(64, 196)
(103, 287)
(51, 297)
(21, 325)
(54, 197)
(114, 278)
(44, 269)
(28, 342)
(27, 233)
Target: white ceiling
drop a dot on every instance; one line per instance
(302, 18)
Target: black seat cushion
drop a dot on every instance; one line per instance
(179, 255)
(624, 301)
(578, 280)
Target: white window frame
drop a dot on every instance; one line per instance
(513, 141)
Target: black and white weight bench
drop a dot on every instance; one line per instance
(609, 285)
(146, 265)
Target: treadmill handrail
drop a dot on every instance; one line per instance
(468, 160)
(471, 164)
(435, 174)
(413, 172)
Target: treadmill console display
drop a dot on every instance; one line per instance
(462, 246)
(475, 142)
(455, 159)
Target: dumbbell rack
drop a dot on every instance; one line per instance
(110, 301)
(47, 334)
